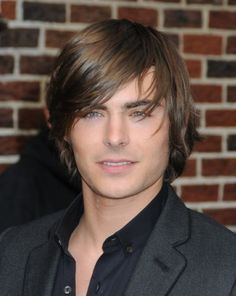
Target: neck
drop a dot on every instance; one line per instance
(104, 216)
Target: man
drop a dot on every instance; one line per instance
(121, 113)
(37, 185)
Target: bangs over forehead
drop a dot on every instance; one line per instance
(104, 57)
(118, 53)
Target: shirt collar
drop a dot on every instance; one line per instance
(136, 232)
(133, 235)
(68, 222)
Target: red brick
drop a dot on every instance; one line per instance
(31, 118)
(206, 93)
(231, 45)
(20, 37)
(3, 167)
(209, 144)
(194, 68)
(6, 64)
(10, 145)
(203, 44)
(226, 216)
(146, 16)
(57, 39)
(221, 69)
(46, 12)
(222, 20)
(8, 9)
(20, 91)
(219, 167)
(198, 193)
(230, 192)
(41, 65)
(213, 2)
(231, 93)
(231, 143)
(89, 14)
(190, 168)
(182, 18)
(6, 118)
(226, 118)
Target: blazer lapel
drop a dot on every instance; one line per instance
(156, 272)
(161, 264)
(41, 270)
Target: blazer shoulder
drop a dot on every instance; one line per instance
(200, 224)
(204, 222)
(212, 236)
(21, 239)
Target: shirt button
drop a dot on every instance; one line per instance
(67, 290)
(98, 286)
(112, 240)
(129, 249)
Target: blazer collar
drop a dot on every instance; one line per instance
(41, 269)
(161, 263)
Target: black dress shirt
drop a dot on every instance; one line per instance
(120, 251)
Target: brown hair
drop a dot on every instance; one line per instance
(105, 56)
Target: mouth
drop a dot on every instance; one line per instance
(116, 166)
(116, 163)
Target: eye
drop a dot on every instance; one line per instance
(93, 115)
(139, 114)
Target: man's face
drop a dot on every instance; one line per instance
(119, 152)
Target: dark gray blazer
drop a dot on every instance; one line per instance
(187, 254)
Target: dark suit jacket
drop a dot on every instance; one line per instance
(187, 254)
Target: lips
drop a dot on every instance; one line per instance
(116, 166)
(116, 163)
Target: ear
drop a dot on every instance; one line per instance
(67, 139)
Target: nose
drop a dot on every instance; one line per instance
(116, 132)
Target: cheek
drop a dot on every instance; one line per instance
(159, 156)
(158, 147)
(79, 150)
(82, 139)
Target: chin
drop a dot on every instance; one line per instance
(115, 193)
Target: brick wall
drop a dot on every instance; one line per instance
(204, 31)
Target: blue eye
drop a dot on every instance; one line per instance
(93, 115)
(138, 114)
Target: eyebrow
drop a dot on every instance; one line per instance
(131, 105)
(128, 105)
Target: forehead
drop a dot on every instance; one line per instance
(135, 90)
